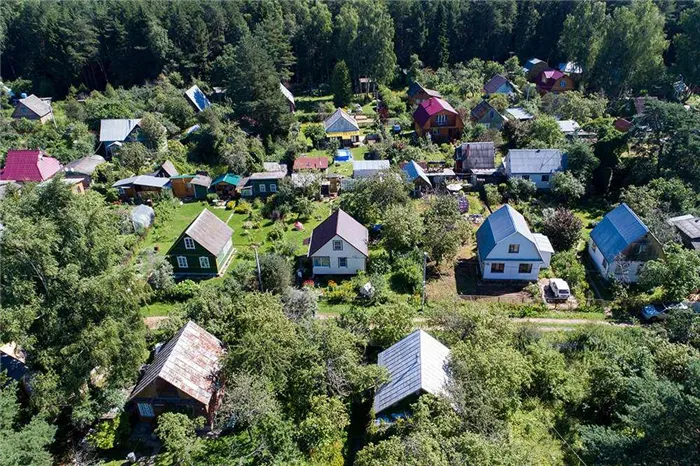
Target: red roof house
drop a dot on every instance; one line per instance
(29, 165)
(551, 80)
(438, 118)
(311, 163)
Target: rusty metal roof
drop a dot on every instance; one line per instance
(189, 362)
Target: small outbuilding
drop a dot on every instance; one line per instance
(499, 84)
(418, 94)
(83, 168)
(192, 186)
(138, 186)
(166, 170)
(197, 99)
(114, 133)
(688, 226)
(226, 186)
(289, 97)
(485, 114)
(34, 108)
(142, 217)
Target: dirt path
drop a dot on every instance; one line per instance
(154, 321)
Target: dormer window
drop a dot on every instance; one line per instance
(337, 245)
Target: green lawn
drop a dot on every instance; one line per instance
(156, 309)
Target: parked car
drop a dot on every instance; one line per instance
(560, 289)
(657, 312)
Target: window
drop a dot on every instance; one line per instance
(491, 114)
(562, 83)
(189, 243)
(337, 245)
(441, 119)
(273, 188)
(525, 268)
(435, 131)
(545, 178)
(605, 264)
(526, 177)
(262, 188)
(513, 248)
(204, 262)
(342, 262)
(182, 262)
(146, 410)
(322, 261)
(498, 268)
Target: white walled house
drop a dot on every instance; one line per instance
(621, 244)
(338, 246)
(507, 250)
(536, 165)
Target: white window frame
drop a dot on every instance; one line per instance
(204, 262)
(441, 119)
(513, 248)
(182, 260)
(337, 242)
(189, 243)
(340, 265)
(273, 188)
(262, 188)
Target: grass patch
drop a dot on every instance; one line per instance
(593, 316)
(156, 309)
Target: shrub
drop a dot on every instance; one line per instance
(276, 233)
(562, 228)
(212, 198)
(342, 293)
(243, 207)
(111, 195)
(109, 433)
(379, 263)
(182, 291)
(492, 194)
(407, 276)
(230, 205)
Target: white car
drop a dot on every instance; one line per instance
(560, 289)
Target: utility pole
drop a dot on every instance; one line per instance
(425, 268)
(257, 263)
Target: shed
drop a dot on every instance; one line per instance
(569, 127)
(84, 168)
(289, 97)
(114, 132)
(518, 113)
(197, 99)
(135, 186)
(689, 228)
(166, 170)
(416, 175)
(226, 185)
(416, 364)
(34, 108)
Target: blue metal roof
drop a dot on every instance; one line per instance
(414, 171)
(498, 226)
(619, 228)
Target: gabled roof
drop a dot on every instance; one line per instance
(142, 180)
(117, 130)
(267, 175)
(340, 122)
(414, 171)
(547, 78)
(619, 228)
(519, 113)
(85, 165)
(479, 155)
(287, 94)
(188, 362)
(570, 67)
(29, 165)
(197, 98)
(201, 180)
(496, 82)
(416, 364)
(311, 163)
(37, 105)
(370, 165)
(343, 225)
(417, 87)
(168, 168)
(209, 231)
(498, 226)
(482, 108)
(431, 107)
(568, 126)
(689, 225)
(532, 62)
(535, 160)
(229, 178)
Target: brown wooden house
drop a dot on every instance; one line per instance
(34, 108)
(183, 377)
(554, 81)
(437, 118)
(418, 94)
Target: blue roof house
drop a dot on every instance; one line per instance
(536, 165)
(508, 250)
(415, 175)
(621, 244)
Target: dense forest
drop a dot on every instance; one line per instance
(89, 44)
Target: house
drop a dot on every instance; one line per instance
(486, 115)
(570, 128)
(417, 364)
(289, 97)
(226, 186)
(553, 81)
(437, 118)
(274, 167)
(166, 170)
(141, 185)
(622, 125)
(620, 245)
(418, 94)
(83, 168)
(261, 184)
(519, 114)
(319, 164)
(197, 99)
(28, 166)
(75, 185)
(368, 168)
(114, 133)
(533, 67)
(183, 377)
(34, 108)
(13, 362)
(688, 226)
(499, 84)
(536, 165)
(477, 159)
(570, 68)
(415, 174)
(190, 186)
(343, 127)
(338, 246)
(507, 250)
(204, 249)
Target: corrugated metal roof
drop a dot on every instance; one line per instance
(431, 107)
(478, 155)
(85, 165)
(543, 243)
(268, 175)
(117, 130)
(532, 62)
(689, 225)
(619, 228)
(416, 364)
(28, 165)
(190, 362)
(274, 167)
(340, 122)
(342, 224)
(209, 231)
(229, 178)
(519, 113)
(498, 226)
(201, 180)
(142, 180)
(535, 161)
(168, 168)
(311, 163)
(495, 83)
(568, 126)
(38, 106)
(370, 165)
(417, 87)
(197, 98)
(414, 171)
(287, 93)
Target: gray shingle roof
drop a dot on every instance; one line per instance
(478, 155)
(343, 225)
(535, 160)
(340, 122)
(210, 232)
(36, 105)
(689, 225)
(416, 364)
(117, 130)
(85, 165)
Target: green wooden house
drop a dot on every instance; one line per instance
(262, 184)
(204, 249)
